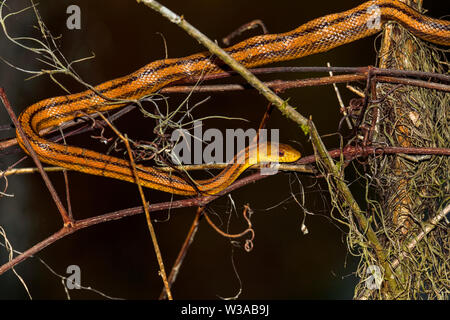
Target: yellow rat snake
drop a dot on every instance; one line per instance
(318, 35)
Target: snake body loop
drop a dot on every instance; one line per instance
(318, 35)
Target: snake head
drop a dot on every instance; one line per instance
(272, 152)
(287, 154)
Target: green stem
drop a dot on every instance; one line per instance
(288, 111)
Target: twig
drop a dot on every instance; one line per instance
(144, 204)
(187, 242)
(279, 85)
(230, 235)
(414, 82)
(355, 70)
(248, 26)
(66, 219)
(429, 226)
(339, 97)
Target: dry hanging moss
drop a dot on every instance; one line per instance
(408, 197)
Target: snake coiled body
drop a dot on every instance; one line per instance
(318, 35)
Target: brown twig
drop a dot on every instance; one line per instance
(236, 235)
(427, 228)
(353, 152)
(355, 70)
(116, 215)
(66, 218)
(151, 229)
(183, 251)
(282, 85)
(415, 83)
(248, 26)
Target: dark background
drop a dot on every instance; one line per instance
(117, 257)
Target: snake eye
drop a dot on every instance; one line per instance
(281, 153)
